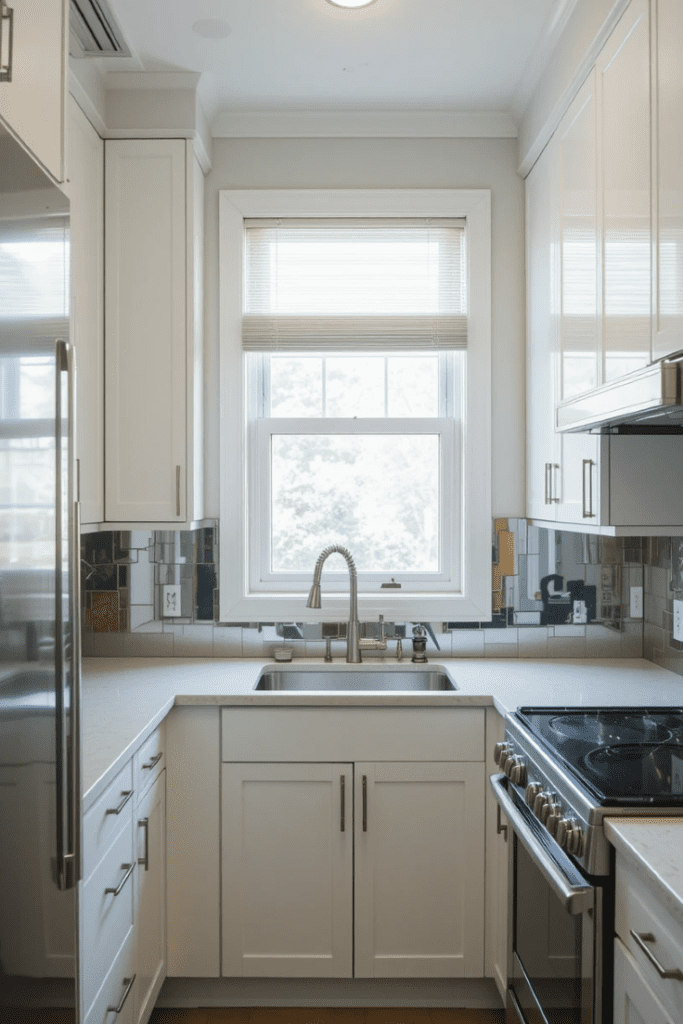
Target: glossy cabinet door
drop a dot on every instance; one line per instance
(580, 333)
(542, 259)
(150, 909)
(86, 185)
(623, 70)
(419, 870)
(287, 881)
(33, 103)
(667, 138)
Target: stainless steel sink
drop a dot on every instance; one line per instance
(369, 680)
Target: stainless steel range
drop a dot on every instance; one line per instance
(563, 770)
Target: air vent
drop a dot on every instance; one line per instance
(94, 32)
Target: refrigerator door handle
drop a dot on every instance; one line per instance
(68, 663)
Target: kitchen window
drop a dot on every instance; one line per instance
(355, 408)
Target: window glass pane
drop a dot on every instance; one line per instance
(296, 386)
(378, 495)
(355, 386)
(413, 386)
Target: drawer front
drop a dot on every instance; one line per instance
(638, 910)
(106, 818)
(107, 916)
(149, 761)
(353, 734)
(116, 989)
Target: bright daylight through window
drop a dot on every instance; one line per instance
(355, 368)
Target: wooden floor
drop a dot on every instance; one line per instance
(336, 1015)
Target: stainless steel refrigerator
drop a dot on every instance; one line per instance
(39, 608)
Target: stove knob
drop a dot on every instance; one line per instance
(510, 763)
(518, 773)
(554, 818)
(541, 800)
(532, 791)
(564, 827)
(574, 843)
(500, 752)
(549, 807)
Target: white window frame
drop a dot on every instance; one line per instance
(238, 600)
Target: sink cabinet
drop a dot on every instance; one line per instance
(413, 830)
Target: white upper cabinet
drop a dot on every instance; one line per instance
(623, 80)
(33, 103)
(86, 183)
(153, 246)
(667, 147)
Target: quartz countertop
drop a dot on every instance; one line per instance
(652, 847)
(124, 699)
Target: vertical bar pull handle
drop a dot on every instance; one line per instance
(144, 823)
(177, 490)
(587, 491)
(554, 470)
(547, 488)
(342, 787)
(365, 803)
(6, 15)
(500, 827)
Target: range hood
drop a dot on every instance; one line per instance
(650, 400)
(94, 32)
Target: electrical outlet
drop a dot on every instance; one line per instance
(636, 610)
(678, 620)
(171, 601)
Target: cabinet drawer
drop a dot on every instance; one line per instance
(115, 987)
(106, 818)
(638, 910)
(149, 761)
(107, 917)
(352, 734)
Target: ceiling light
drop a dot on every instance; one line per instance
(351, 3)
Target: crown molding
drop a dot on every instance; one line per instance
(326, 124)
(540, 55)
(146, 80)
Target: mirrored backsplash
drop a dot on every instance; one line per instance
(555, 595)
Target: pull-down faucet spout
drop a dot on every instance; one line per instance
(353, 654)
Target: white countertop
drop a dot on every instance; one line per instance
(124, 699)
(653, 848)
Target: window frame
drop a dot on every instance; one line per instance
(238, 600)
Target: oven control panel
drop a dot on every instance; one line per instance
(547, 806)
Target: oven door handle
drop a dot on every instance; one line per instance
(575, 899)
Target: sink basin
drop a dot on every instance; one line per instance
(346, 679)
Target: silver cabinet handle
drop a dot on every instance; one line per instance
(144, 823)
(154, 760)
(547, 483)
(342, 826)
(554, 470)
(126, 794)
(128, 982)
(177, 490)
(500, 827)
(130, 868)
(7, 15)
(590, 514)
(640, 938)
(365, 803)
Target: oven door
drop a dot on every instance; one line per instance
(553, 926)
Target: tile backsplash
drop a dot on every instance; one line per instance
(555, 595)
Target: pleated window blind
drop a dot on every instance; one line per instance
(339, 285)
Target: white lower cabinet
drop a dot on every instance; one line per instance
(150, 904)
(414, 834)
(634, 1000)
(122, 906)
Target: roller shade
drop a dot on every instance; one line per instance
(344, 284)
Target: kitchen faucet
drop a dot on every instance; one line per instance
(354, 645)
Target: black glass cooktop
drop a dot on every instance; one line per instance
(623, 756)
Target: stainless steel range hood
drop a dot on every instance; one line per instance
(651, 398)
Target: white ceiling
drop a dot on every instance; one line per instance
(305, 55)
